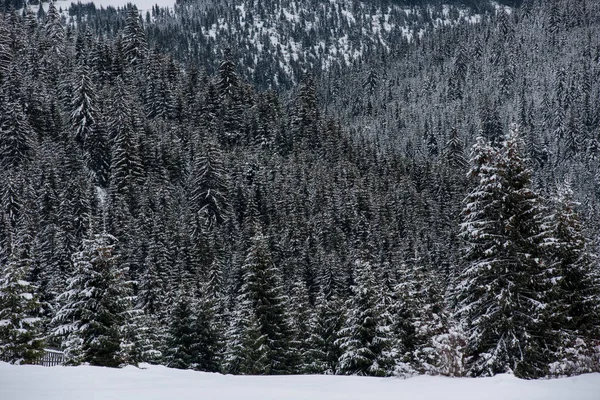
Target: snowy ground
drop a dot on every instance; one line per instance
(153, 383)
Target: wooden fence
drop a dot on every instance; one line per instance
(50, 358)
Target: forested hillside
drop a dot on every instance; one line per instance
(275, 43)
(418, 199)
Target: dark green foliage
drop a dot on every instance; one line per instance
(366, 340)
(209, 186)
(324, 349)
(16, 135)
(84, 114)
(95, 305)
(183, 337)
(261, 202)
(260, 335)
(574, 297)
(20, 323)
(209, 332)
(503, 283)
(134, 38)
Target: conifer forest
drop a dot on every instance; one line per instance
(351, 187)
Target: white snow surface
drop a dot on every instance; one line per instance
(156, 382)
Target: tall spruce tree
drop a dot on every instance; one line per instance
(95, 306)
(134, 38)
(366, 341)
(208, 330)
(575, 313)
(20, 323)
(182, 337)
(84, 112)
(17, 142)
(209, 187)
(501, 294)
(55, 31)
(261, 327)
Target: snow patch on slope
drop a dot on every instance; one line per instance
(271, 33)
(142, 5)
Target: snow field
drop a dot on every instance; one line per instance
(161, 383)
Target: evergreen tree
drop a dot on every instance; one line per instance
(419, 313)
(574, 297)
(95, 306)
(306, 115)
(324, 349)
(98, 148)
(55, 31)
(491, 125)
(134, 38)
(503, 283)
(209, 187)
(365, 339)
(209, 335)
(260, 332)
(228, 82)
(301, 319)
(16, 134)
(152, 339)
(5, 51)
(126, 169)
(20, 325)
(246, 347)
(228, 87)
(84, 114)
(183, 338)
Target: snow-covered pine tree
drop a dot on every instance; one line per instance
(16, 135)
(365, 339)
(230, 108)
(328, 320)
(389, 307)
(20, 326)
(418, 312)
(209, 186)
(6, 55)
(246, 350)
(305, 118)
(502, 286)
(182, 336)
(260, 332)
(55, 31)
(98, 148)
(124, 127)
(491, 125)
(135, 46)
(153, 282)
(449, 349)
(95, 306)
(575, 295)
(84, 112)
(208, 331)
(152, 339)
(301, 320)
(320, 360)
(227, 80)
(48, 264)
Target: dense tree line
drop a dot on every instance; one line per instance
(275, 43)
(154, 212)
